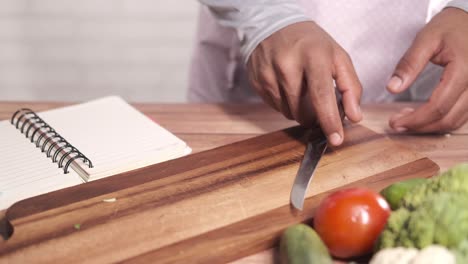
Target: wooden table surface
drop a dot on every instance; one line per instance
(205, 126)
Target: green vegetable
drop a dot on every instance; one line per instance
(454, 180)
(441, 219)
(435, 212)
(300, 244)
(395, 192)
(77, 226)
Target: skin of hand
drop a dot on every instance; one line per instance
(293, 71)
(443, 41)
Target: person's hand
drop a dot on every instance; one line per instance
(444, 41)
(293, 71)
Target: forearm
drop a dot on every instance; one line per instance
(255, 20)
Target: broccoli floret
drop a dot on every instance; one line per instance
(451, 225)
(421, 227)
(396, 223)
(453, 180)
(441, 219)
(435, 212)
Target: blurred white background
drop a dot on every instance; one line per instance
(73, 50)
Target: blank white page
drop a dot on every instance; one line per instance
(25, 171)
(114, 136)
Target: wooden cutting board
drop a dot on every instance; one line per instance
(211, 207)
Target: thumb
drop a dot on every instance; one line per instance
(412, 63)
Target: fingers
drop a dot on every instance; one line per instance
(394, 118)
(290, 74)
(349, 85)
(443, 42)
(323, 101)
(263, 79)
(441, 111)
(412, 63)
(452, 121)
(293, 71)
(455, 118)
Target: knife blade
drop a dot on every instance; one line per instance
(316, 147)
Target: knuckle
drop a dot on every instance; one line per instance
(342, 55)
(288, 77)
(286, 72)
(320, 91)
(275, 96)
(267, 78)
(319, 65)
(314, 52)
(318, 60)
(287, 64)
(422, 36)
(406, 65)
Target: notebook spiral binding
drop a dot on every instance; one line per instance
(48, 140)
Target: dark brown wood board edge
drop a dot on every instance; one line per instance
(295, 135)
(261, 232)
(363, 132)
(146, 174)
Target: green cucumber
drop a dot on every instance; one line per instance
(300, 244)
(395, 192)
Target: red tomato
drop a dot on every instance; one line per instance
(349, 221)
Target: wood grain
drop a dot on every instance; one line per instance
(211, 126)
(235, 196)
(262, 232)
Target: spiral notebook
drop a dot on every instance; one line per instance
(51, 150)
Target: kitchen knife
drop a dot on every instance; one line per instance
(316, 146)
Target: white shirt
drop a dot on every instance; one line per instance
(375, 33)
